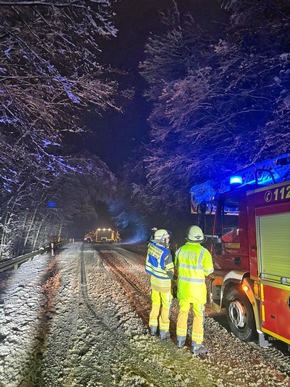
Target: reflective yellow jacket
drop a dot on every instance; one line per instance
(193, 263)
(159, 264)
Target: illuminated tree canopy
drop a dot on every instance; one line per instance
(49, 76)
(221, 101)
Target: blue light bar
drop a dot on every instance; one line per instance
(236, 180)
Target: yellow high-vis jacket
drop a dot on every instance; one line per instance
(193, 263)
(160, 265)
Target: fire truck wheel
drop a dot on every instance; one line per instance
(240, 315)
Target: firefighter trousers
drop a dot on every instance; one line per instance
(161, 303)
(197, 324)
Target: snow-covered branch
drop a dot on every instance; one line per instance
(219, 103)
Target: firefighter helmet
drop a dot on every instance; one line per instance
(195, 234)
(161, 235)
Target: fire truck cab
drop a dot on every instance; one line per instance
(250, 245)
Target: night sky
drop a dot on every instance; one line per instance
(114, 135)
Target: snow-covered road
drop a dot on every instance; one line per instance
(80, 319)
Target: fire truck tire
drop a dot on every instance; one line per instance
(240, 315)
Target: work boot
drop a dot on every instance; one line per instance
(164, 335)
(153, 331)
(180, 343)
(198, 349)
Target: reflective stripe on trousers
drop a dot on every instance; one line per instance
(197, 325)
(162, 300)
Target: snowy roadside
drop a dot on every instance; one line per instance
(66, 321)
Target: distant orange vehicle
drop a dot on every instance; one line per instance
(102, 235)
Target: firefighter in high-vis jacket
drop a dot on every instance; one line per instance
(160, 266)
(193, 263)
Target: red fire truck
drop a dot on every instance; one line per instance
(250, 245)
(102, 235)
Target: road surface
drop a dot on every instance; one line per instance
(80, 318)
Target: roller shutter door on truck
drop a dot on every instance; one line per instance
(273, 234)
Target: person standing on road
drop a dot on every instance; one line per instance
(193, 263)
(160, 266)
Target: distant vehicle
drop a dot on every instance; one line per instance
(102, 235)
(250, 249)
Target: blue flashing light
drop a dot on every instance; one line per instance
(51, 205)
(236, 180)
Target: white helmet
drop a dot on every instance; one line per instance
(195, 234)
(161, 234)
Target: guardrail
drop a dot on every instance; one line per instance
(16, 262)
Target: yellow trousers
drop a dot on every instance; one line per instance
(161, 303)
(197, 325)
